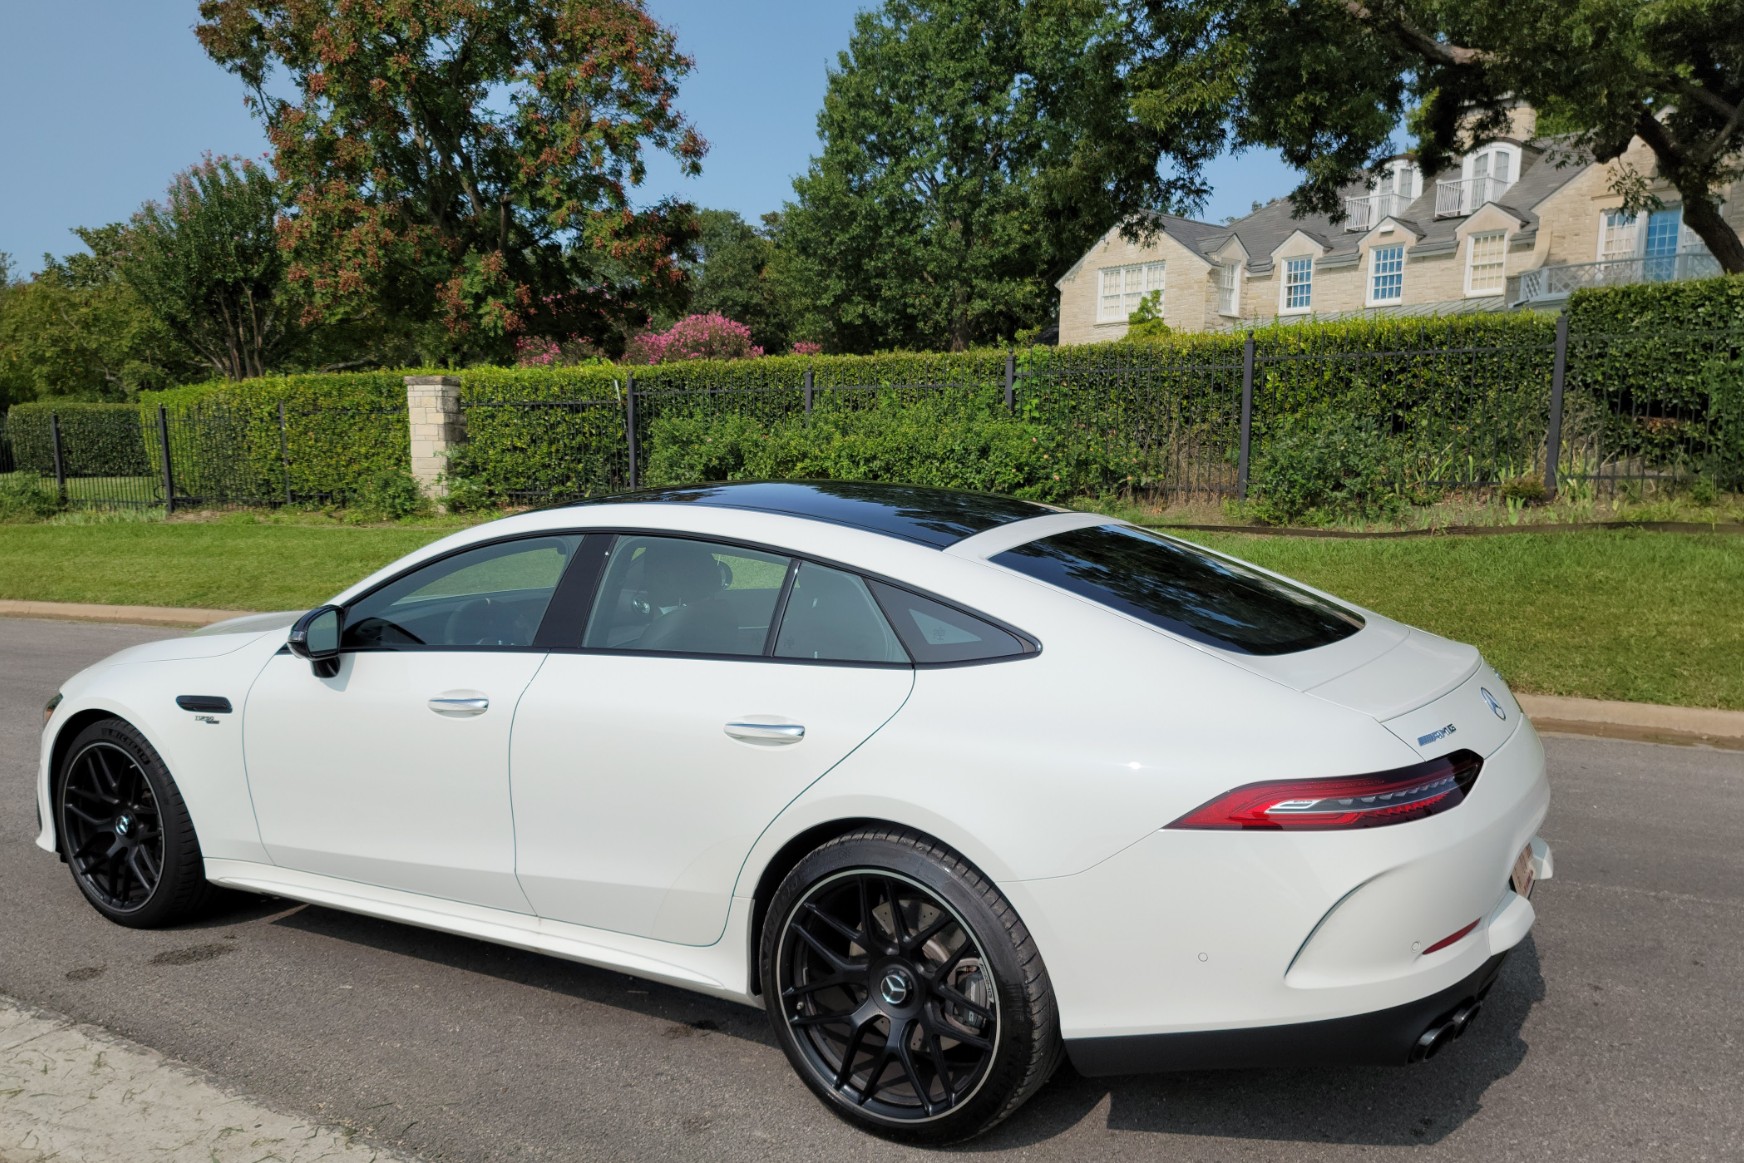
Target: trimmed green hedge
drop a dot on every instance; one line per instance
(343, 434)
(97, 440)
(1656, 373)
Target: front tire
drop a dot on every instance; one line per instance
(905, 990)
(125, 832)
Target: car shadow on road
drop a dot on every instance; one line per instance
(1367, 1106)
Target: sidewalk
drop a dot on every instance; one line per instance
(1647, 722)
(69, 1091)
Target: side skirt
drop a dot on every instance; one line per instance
(720, 970)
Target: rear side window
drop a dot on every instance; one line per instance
(1184, 590)
(831, 617)
(934, 632)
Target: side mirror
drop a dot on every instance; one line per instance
(316, 638)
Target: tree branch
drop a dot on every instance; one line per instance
(1425, 43)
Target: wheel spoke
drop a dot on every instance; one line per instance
(802, 988)
(94, 820)
(941, 1065)
(906, 1061)
(960, 1000)
(139, 864)
(919, 940)
(870, 1090)
(85, 848)
(105, 774)
(898, 923)
(851, 1050)
(811, 910)
(835, 960)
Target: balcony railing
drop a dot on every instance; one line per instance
(1455, 199)
(1366, 211)
(1559, 282)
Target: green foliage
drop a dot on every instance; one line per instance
(972, 151)
(1321, 466)
(206, 264)
(730, 277)
(96, 439)
(465, 170)
(341, 433)
(388, 494)
(1657, 369)
(77, 331)
(959, 442)
(23, 498)
(1146, 322)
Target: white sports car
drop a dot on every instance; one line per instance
(950, 784)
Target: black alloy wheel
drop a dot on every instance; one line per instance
(114, 834)
(124, 830)
(907, 1000)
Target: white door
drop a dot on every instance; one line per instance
(394, 772)
(646, 766)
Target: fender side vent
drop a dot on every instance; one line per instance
(205, 704)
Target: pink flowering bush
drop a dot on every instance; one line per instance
(806, 347)
(540, 352)
(693, 337)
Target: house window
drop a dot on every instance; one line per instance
(1617, 231)
(1387, 274)
(1298, 284)
(1229, 289)
(1123, 287)
(1486, 266)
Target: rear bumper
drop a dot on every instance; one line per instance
(1388, 1037)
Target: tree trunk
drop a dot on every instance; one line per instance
(1703, 217)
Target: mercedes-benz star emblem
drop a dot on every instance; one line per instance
(894, 987)
(1494, 705)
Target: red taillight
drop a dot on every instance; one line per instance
(1351, 801)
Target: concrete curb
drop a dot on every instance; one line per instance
(136, 615)
(1649, 722)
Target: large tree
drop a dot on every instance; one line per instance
(972, 150)
(466, 162)
(729, 275)
(206, 262)
(1327, 82)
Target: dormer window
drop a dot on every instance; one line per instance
(1484, 176)
(1397, 187)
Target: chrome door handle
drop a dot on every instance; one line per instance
(473, 706)
(766, 732)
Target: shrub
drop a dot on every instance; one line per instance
(1146, 323)
(962, 443)
(388, 494)
(97, 440)
(1322, 466)
(711, 336)
(23, 498)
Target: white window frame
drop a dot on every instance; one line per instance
(1370, 299)
(1471, 262)
(1285, 284)
(1136, 281)
(1229, 276)
(1625, 222)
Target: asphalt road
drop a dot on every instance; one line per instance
(1616, 1031)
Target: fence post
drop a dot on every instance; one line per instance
(163, 448)
(808, 390)
(435, 426)
(60, 464)
(1553, 434)
(630, 422)
(1010, 382)
(284, 453)
(1247, 378)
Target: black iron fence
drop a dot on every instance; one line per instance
(203, 458)
(1606, 414)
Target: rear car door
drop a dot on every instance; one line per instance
(395, 771)
(714, 684)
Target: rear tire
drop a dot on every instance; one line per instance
(125, 831)
(904, 989)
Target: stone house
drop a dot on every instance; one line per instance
(1521, 222)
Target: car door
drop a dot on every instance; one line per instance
(394, 771)
(645, 765)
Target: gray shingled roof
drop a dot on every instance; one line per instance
(1265, 229)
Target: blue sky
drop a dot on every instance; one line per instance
(103, 100)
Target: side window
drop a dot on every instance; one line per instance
(672, 594)
(934, 632)
(494, 595)
(832, 616)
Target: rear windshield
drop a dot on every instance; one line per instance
(1184, 590)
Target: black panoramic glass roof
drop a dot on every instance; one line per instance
(936, 517)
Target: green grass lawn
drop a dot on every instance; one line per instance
(1648, 617)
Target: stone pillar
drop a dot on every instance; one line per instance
(434, 417)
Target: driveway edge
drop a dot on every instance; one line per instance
(135, 615)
